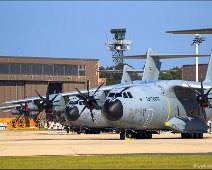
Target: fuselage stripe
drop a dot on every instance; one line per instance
(169, 110)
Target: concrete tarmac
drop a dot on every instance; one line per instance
(32, 143)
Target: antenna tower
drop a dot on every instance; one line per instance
(118, 45)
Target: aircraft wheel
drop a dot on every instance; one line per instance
(144, 135)
(194, 135)
(149, 135)
(129, 135)
(200, 135)
(122, 135)
(78, 132)
(67, 130)
(188, 135)
(183, 135)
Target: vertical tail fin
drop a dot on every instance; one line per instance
(208, 77)
(127, 77)
(151, 67)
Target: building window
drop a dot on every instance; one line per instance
(81, 70)
(42, 69)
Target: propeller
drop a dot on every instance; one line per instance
(89, 101)
(47, 104)
(202, 99)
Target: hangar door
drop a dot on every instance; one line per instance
(55, 88)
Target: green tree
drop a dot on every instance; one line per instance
(115, 78)
(175, 73)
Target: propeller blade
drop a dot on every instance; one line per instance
(202, 90)
(92, 115)
(82, 110)
(203, 114)
(88, 82)
(80, 93)
(97, 89)
(55, 96)
(40, 96)
(96, 106)
(81, 97)
(195, 91)
(208, 92)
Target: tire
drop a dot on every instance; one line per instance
(200, 135)
(149, 135)
(122, 136)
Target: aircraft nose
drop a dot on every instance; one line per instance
(113, 110)
(72, 113)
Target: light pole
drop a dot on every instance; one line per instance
(198, 39)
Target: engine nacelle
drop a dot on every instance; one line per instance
(15, 112)
(71, 113)
(33, 113)
(184, 124)
(32, 107)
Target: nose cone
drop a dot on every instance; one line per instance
(72, 113)
(113, 110)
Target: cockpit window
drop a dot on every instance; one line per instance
(118, 95)
(130, 95)
(73, 102)
(125, 95)
(81, 103)
(115, 95)
(111, 95)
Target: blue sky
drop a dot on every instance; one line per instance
(78, 29)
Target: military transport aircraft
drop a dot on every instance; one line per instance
(77, 114)
(143, 107)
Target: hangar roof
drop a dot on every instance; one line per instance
(54, 58)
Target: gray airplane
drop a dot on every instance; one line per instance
(144, 107)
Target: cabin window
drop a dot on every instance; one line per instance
(125, 95)
(73, 102)
(130, 95)
(118, 95)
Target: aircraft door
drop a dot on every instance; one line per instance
(149, 115)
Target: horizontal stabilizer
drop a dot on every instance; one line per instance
(163, 56)
(120, 71)
(192, 31)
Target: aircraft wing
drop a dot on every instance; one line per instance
(84, 91)
(9, 108)
(25, 100)
(163, 56)
(120, 71)
(72, 93)
(185, 89)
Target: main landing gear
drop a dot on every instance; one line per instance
(191, 135)
(135, 135)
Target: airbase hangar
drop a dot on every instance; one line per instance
(20, 76)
